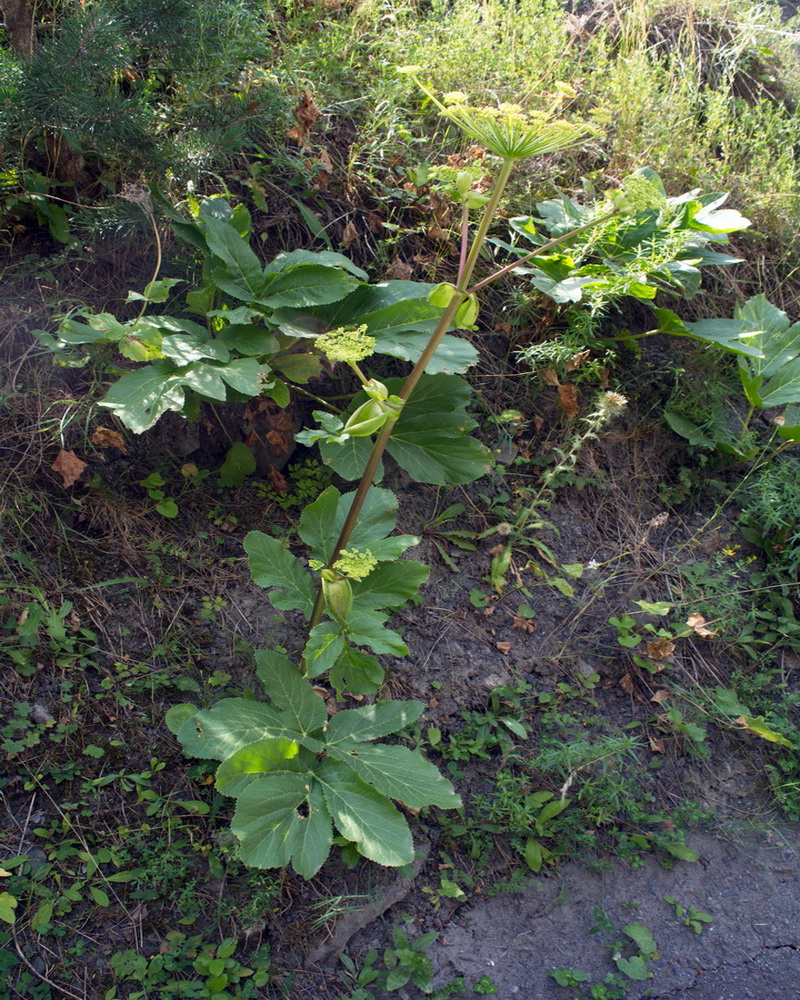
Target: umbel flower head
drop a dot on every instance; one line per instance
(506, 130)
(355, 564)
(345, 343)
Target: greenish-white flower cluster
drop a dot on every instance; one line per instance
(355, 564)
(641, 193)
(346, 343)
(507, 130)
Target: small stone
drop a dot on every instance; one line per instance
(40, 714)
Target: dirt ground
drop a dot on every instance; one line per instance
(186, 613)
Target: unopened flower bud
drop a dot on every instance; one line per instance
(338, 594)
(376, 390)
(441, 295)
(467, 312)
(367, 419)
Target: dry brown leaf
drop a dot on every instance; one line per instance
(568, 400)
(523, 623)
(697, 622)
(276, 443)
(306, 114)
(106, 438)
(627, 684)
(69, 467)
(660, 697)
(504, 647)
(324, 166)
(350, 234)
(577, 360)
(661, 649)
(489, 611)
(548, 376)
(399, 270)
(375, 223)
(278, 481)
(657, 746)
(435, 232)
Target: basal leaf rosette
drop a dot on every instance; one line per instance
(298, 775)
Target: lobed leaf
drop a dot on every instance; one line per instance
(273, 831)
(365, 817)
(398, 773)
(290, 692)
(217, 733)
(272, 566)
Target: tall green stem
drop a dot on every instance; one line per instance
(465, 273)
(486, 221)
(413, 378)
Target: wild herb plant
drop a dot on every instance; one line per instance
(768, 349)
(294, 772)
(258, 323)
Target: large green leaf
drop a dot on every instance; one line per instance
(373, 721)
(783, 387)
(100, 328)
(139, 397)
(790, 431)
(390, 584)
(245, 375)
(433, 448)
(242, 264)
(257, 759)
(218, 732)
(712, 219)
(272, 566)
(317, 525)
(397, 314)
(349, 459)
(376, 519)
(725, 333)
(249, 339)
(307, 285)
(323, 520)
(205, 379)
(324, 647)
(430, 439)
(314, 835)
(454, 354)
(768, 329)
(365, 628)
(366, 817)
(774, 378)
(327, 257)
(356, 672)
(183, 348)
(399, 773)
(290, 691)
(272, 830)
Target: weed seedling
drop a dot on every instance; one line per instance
(693, 918)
